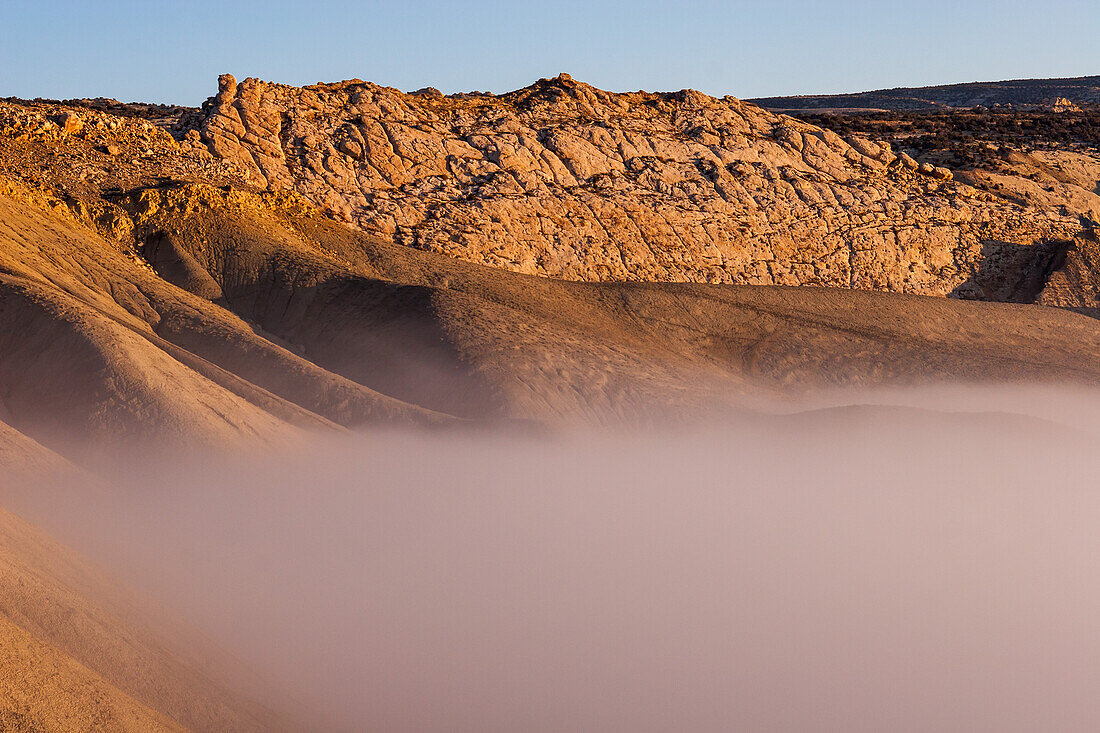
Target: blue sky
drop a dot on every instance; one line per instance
(173, 50)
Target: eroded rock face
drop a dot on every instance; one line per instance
(569, 181)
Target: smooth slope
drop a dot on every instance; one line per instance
(80, 653)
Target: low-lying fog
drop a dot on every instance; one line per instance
(853, 570)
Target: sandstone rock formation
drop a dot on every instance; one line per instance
(565, 180)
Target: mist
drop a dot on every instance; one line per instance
(878, 564)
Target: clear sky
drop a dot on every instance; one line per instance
(173, 50)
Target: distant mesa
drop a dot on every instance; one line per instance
(1016, 92)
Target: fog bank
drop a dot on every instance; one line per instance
(850, 570)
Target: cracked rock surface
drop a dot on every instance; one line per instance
(565, 180)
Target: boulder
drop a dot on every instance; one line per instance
(70, 123)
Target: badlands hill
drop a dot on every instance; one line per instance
(291, 261)
(321, 258)
(1015, 92)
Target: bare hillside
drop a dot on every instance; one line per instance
(293, 262)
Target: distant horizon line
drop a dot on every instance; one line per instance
(816, 95)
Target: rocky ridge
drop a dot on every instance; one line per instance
(565, 180)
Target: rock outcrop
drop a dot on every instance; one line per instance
(565, 180)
